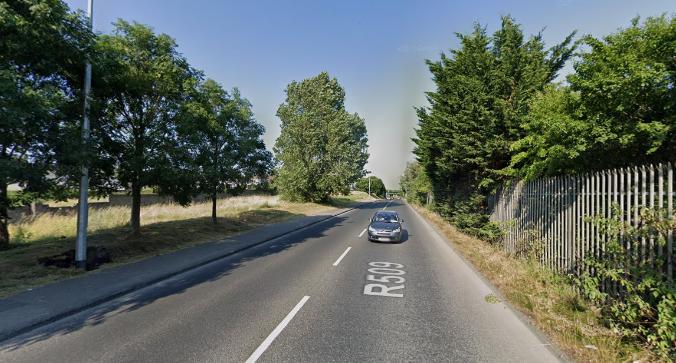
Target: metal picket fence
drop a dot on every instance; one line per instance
(553, 214)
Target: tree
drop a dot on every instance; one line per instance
(415, 184)
(43, 46)
(145, 83)
(224, 141)
(555, 135)
(322, 149)
(618, 109)
(482, 97)
(377, 186)
(626, 89)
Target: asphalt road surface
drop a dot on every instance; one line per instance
(321, 294)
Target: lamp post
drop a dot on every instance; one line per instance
(83, 207)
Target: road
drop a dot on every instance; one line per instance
(303, 298)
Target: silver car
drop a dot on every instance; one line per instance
(385, 226)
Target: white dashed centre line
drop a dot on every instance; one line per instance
(362, 232)
(341, 256)
(266, 343)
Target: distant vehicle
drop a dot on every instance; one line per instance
(385, 226)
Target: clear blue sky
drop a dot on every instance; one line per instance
(376, 49)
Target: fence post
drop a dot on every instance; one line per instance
(593, 214)
(637, 256)
(583, 223)
(576, 225)
(670, 209)
(643, 204)
(548, 221)
(540, 225)
(660, 206)
(615, 204)
(557, 216)
(565, 205)
(623, 214)
(651, 203)
(603, 214)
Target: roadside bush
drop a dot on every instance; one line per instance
(469, 216)
(635, 297)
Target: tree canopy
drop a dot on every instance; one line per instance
(154, 121)
(322, 149)
(42, 50)
(223, 141)
(377, 186)
(144, 82)
(496, 114)
(618, 108)
(415, 184)
(482, 96)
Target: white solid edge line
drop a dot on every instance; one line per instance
(362, 232)
(266, 343)
(341, 256)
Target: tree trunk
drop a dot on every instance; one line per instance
(135, 208)
(4, 216)
(213, 208)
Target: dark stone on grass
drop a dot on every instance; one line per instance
(96, 256)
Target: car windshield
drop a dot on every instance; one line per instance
(385, 217)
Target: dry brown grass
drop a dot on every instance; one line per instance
(547, 299)
(165, 228)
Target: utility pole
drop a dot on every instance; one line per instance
(369, 185)
(83, 206)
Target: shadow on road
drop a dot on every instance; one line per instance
(172, 286)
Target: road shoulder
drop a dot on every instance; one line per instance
(495, 292)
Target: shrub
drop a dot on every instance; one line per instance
(636, 298)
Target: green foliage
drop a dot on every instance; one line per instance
(377, 186)
(643, 304)
(42, 48)
(415, 184)
(482, 96)
(143, 85)
(626, 86)
(322, 148)
(221, 141)
(154, 123)
(618, 109)
(552, 142)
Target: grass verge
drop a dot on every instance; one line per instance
(165, 228)
(547, 299)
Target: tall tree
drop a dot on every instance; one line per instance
(224, 142)
(618, 110)
(322, 148)
(145, 81)
(475, 114)
(626, 87)
(415, 184)
(42, 51)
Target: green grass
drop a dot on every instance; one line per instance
(547, 299)
(165, 228)
(345, 201)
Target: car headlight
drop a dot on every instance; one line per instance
(372, 230)
(397, 230)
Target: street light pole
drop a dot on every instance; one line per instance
(369, 185)
(83, 207)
